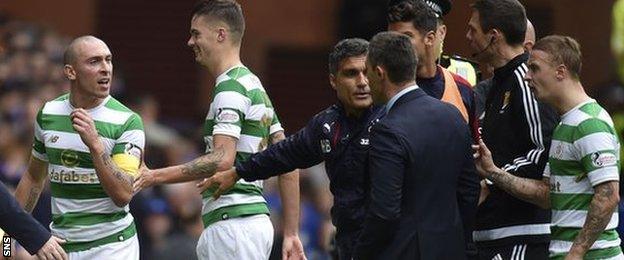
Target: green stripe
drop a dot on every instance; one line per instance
(592, 109)
(234, 211)
(120, 236)
(133, 123)
(238, 72)
(69, 158)
(39, 146)
(570, 201)
(259, 96)
(77, 191)
(569, 234)
(239, 188)
(114, 104)
(230, 85)
(256, 128)
(74, 219)
(62, 97)
(570, 134)
(594, 254)
(565, 167)
(588, 162)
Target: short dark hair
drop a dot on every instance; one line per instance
(415, 11)
(562, 50)
(227, 11)
(394, 52)
(507, 16)
(346, 48)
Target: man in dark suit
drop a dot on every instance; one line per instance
(420, 152)
(30, 233)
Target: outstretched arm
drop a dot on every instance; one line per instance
(529, 190)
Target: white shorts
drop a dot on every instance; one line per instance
(245, 238)
(127, 250)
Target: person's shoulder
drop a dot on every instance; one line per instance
(461, 82)
(328, 114)
(118, 109)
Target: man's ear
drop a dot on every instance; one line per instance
(332, 81)
(441, 31)
(221, 34)
(429, 38)
(561, 71)
(380, 72)
(69, 72)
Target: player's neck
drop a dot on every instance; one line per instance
(225, 63)
(83, 100)
(573, 95)
(428, 69)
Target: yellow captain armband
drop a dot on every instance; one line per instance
(127, 163)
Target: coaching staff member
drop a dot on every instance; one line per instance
(418, 151)
(517, 129)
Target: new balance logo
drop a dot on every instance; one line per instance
(54, 138)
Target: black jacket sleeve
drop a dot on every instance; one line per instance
(301, 150)
(536, 122)
(387, 160)
(468, 189)
(19, 224)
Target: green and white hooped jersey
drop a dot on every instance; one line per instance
(584, 153)
(242, 109)
(82, 212)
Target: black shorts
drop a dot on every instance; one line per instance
(536, 251)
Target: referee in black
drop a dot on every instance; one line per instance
(518, 130)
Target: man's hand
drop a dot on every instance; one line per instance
(223, 180)
(84, 125)
(52, 249)
(292, 248)
(483, 160)
(146, 179)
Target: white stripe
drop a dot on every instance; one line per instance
(275, 128)
(38, 132)
(102, 205)
(72, 141)
(602, 175)
(230, 99)
(54, 107)
(498, 233)
(93, 232)
(226, 129)
(40, 156)
(524, 247)
(568, 184)
(575, 118)
(250, 82)
(111, 116)
(563, 151)
(211, 204)
(136, 137)
(576, 219)
(596, 142)
(249, 144)
(561, 246)
(257, 112)
(513, 253)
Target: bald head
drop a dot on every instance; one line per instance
(529, 36)
(72, 51)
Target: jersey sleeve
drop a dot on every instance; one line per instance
(39, 150)
(598, 150)
(128, 150)
(276, 126)
(229, 105)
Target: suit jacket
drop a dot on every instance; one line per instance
(422, 180)
(19, 224)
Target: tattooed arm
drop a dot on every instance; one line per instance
(221, 158)
(31, 184)
(601, 208)
(529, 190)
